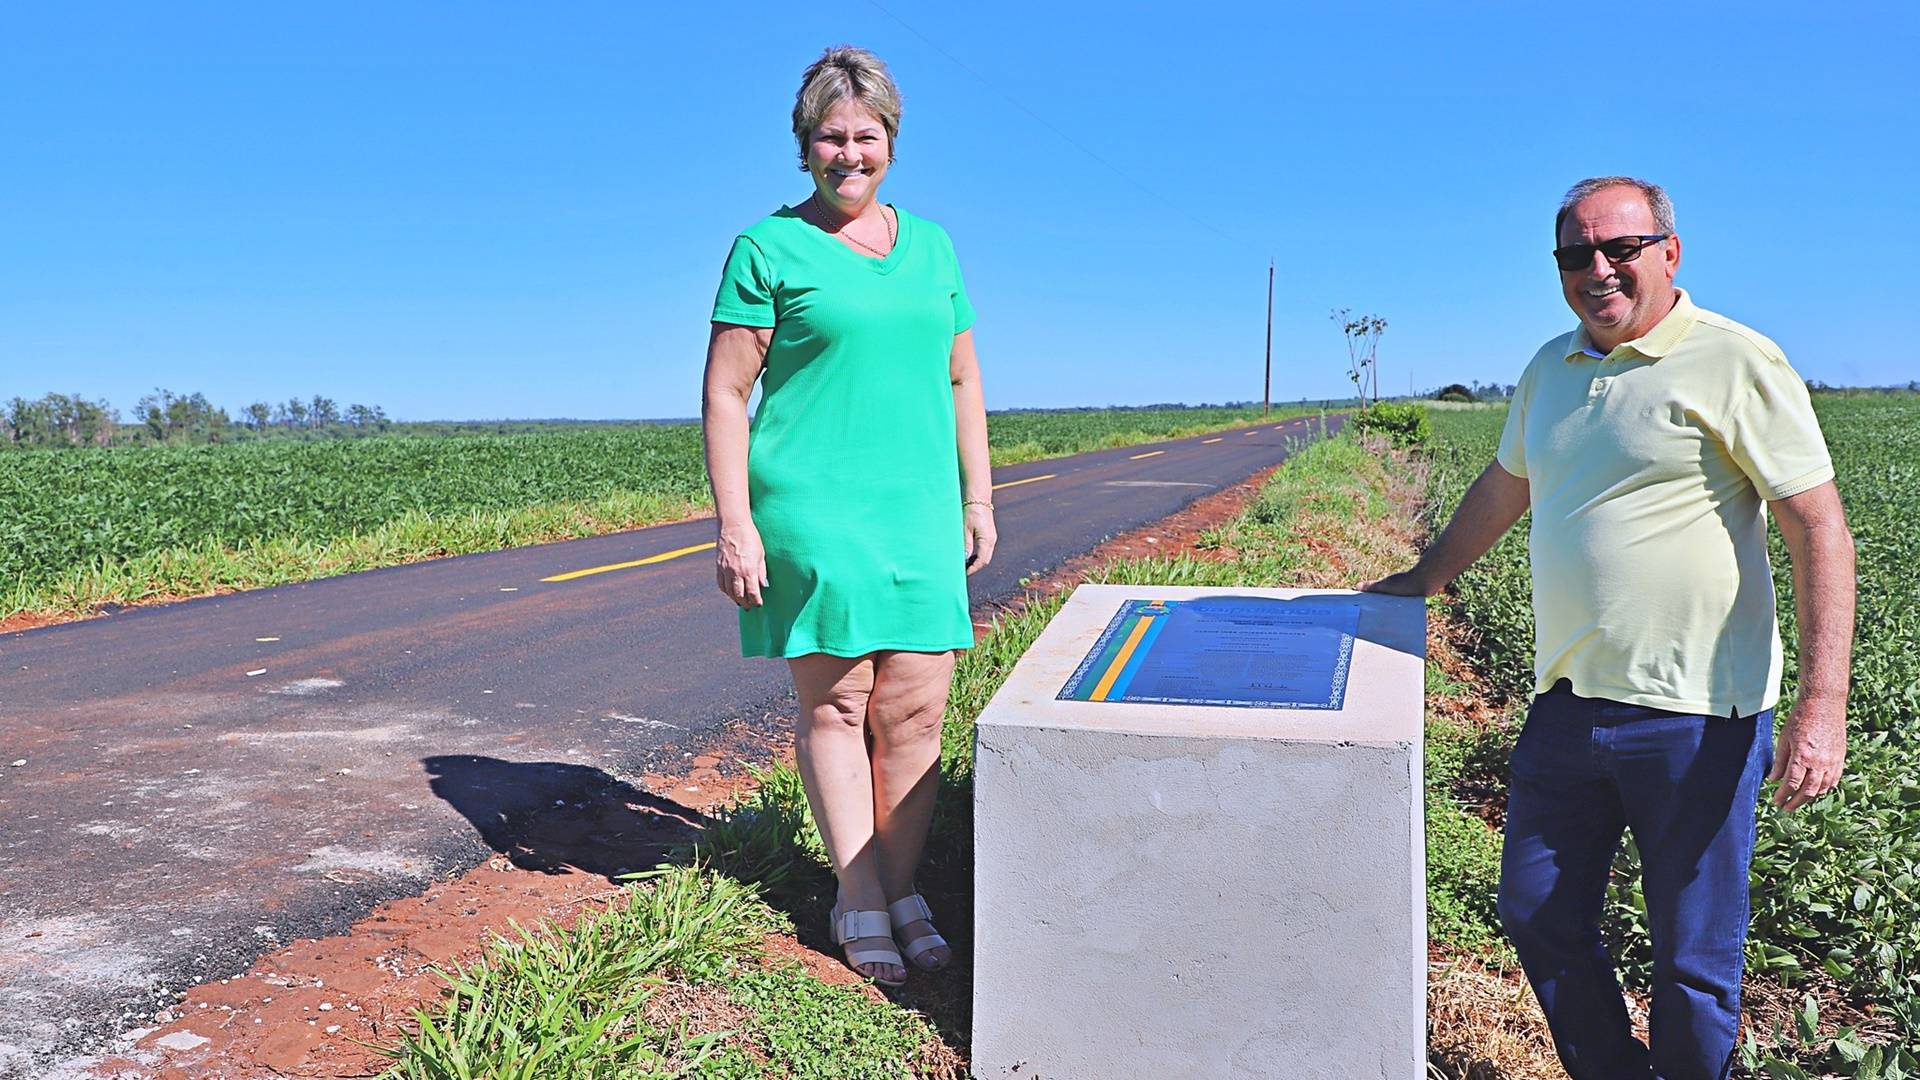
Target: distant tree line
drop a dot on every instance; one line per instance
(1477, 391)
(315, 414)
(1470, 391)
(166, 418)
(58, 420)
(1817, 387)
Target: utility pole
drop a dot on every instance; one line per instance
(1266, 395)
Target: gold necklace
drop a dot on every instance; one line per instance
(892, 236)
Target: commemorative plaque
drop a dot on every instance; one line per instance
(1235, 651)
(1199, 840)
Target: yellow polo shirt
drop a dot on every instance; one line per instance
(1649, 472)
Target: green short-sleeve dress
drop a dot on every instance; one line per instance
(852, 470)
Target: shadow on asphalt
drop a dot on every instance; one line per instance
(550, 815)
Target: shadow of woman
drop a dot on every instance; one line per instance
(550, 815)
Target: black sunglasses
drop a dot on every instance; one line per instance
(1620, 249)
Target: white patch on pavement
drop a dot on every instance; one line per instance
(76, 949)
(382, 733)
(333, 857)
(112, 829)
(306, 687)
(1156, 483)
(644, 720)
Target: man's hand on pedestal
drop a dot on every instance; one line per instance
(1405, 583)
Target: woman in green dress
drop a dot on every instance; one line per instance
(857, 500)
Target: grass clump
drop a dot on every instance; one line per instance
(571, 1001)
(609, 997)
(809, 1030)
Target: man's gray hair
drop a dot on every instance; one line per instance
(845, 73)
(1657, 200)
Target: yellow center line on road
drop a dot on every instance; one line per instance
(1028, 480)
(678, 552)
(648, 561)
(1204, 442)
(1150, 453)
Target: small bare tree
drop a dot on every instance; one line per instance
(1363, 343)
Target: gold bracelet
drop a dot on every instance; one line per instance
(977, 502)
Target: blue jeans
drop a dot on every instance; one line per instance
(1584, 771)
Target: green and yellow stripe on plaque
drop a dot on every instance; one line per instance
(1117, 656)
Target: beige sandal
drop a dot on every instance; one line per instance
(849, 926)
(910, 909)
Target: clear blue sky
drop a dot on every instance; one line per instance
(474, 210)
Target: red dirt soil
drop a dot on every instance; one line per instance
(311, 1009)
(27, 620)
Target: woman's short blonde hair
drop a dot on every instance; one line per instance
(845, 73)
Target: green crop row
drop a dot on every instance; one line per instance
(1031, 434)
(76, 507)
(79, 526)
(1835, 885)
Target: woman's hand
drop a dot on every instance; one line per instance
(735, 356)
(980, 535)
(740, 564)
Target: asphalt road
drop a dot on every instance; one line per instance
(185, 787)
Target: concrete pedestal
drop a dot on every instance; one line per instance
(1202, 891)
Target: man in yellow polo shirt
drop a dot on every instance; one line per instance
(1650, 444)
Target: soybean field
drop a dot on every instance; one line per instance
(70, 509)
(82, 527)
